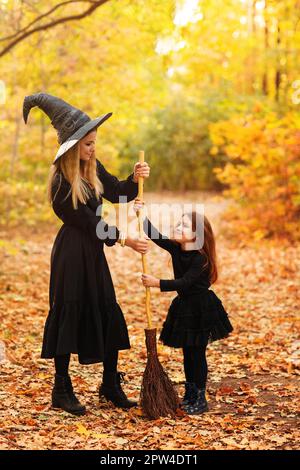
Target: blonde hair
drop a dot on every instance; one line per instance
(69, 164)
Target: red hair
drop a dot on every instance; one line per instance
(209, 245)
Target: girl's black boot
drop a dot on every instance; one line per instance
(111, 389)
(63, 396)
(190, 393)
(198, 404)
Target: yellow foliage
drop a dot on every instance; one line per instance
(262, 172)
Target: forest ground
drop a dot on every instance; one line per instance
(253, 374)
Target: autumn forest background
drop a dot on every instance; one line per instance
(211, 91)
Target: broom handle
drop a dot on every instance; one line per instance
(141, 233)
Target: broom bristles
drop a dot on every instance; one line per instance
(158, 396)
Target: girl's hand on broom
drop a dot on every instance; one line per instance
(142, 170)
(138, 204)
(150, 281)
(141, 245)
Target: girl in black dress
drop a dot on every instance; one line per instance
(196, 315)
(84, 316)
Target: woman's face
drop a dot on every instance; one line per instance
(183, 231)
(87, 145)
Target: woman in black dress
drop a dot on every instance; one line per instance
(84, 317)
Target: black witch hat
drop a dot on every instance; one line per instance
(70, 123)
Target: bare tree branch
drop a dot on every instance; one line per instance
(26, 31)
(39, 18)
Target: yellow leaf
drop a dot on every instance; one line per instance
(82, 430)
(100, 436)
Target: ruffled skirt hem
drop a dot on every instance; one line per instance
(178, 339)
(195, 321)
(82, 329)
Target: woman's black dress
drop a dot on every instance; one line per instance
(196, 315)
(84, 316)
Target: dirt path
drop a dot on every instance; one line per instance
(253, 375)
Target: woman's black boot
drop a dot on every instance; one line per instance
(111, 389)
(63, 396)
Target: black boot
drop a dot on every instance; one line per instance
(63, 396)
(111, 389)
(198, 404)
(190, 394)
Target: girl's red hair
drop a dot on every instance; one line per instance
(209, 244)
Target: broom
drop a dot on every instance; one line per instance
(158, 396)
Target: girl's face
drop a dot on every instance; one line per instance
(183, 231)
(87, 145)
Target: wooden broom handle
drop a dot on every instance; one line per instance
(141, 233)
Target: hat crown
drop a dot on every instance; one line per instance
(65, 118)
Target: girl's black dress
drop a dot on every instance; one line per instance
(196, 315)
(84, 316)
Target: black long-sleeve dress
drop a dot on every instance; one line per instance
(84, 316)
(196, 315)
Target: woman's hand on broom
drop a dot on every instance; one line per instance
(150, 281)
(142, 170)
(141, 245)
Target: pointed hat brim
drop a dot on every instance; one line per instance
(79, 134)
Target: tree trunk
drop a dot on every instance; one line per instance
(265, 87)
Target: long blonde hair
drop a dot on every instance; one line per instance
(69, 164)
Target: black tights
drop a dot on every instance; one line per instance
(62, 364)
(195, 365)
(109, 364)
